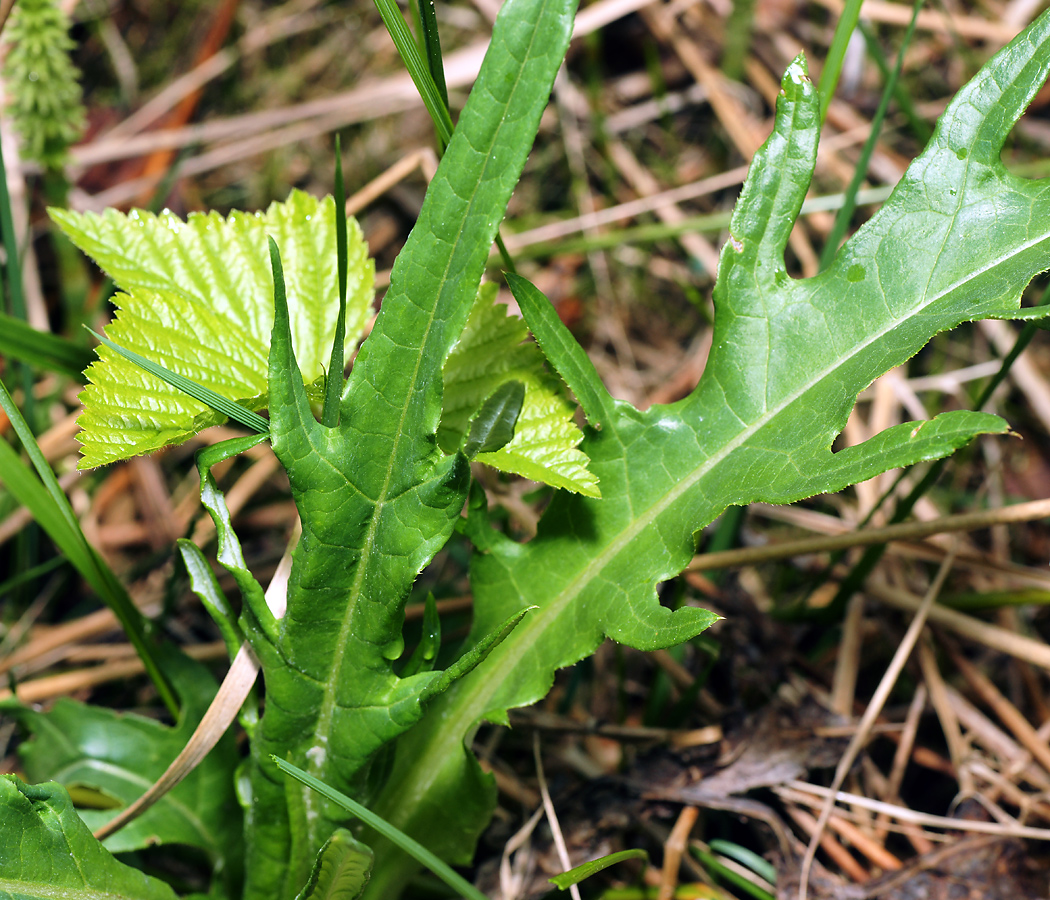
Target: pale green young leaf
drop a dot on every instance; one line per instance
(490, 352)
(198, 299)
(47, 851)
(959, 239)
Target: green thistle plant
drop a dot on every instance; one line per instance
(42, 82)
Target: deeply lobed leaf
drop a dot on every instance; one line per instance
(376, 496)
(959, 239)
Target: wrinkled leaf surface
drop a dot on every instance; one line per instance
(198, 299)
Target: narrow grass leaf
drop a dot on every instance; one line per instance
(761, 867)
(574, 876)
(432, 46)
(417, 68)
(28, 491)
(412, 847)
(829, 75)
(199, 392)
(918, 125)
(42, 495)
(722, 871)
(334, 380)
(30, 575)
(38, 348)
(860, 169)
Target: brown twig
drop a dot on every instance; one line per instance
(906, 531)
(882, 693)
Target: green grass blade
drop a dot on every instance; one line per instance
(417, 851)
(860, 171)
(574, 876)
(27, 489)
(13, 272)
(707, 223)
(429, 77)
(334, 382)
(35, 573)
(417, 68)
(921, 131)
(13, 265)
(829, 75)
(39, 348)
(761, 867)
(432, 46)
(722, 871)
(42, 495)
(207, 396)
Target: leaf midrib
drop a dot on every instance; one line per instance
(324, 719)
(469, 710)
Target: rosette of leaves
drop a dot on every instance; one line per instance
(43, 82)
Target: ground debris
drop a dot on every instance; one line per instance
(979, 867)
